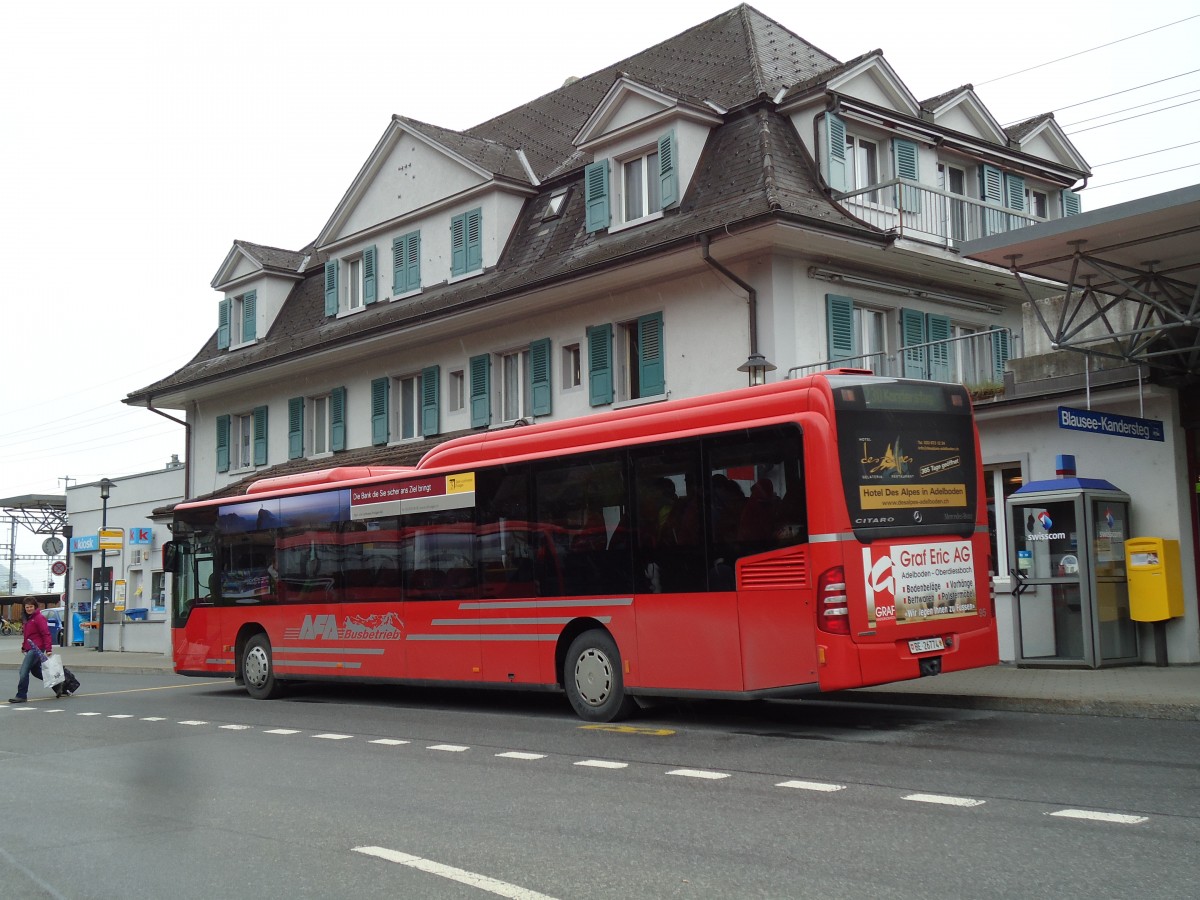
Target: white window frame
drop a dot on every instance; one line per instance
(354, 300)
(572, 366)
(959, 212)
(648, 199)
(406, 412)
(871, 327)
(318, 425)
(241, 441)
(859, 177)
(1037, 203)
(512, 385)
(237, 310)
(456, 387)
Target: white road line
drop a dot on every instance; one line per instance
(389, 742)
(53, 710)
(89, 714)
(1117, 818)
(462, 876)
(811, 786)
(235, 727)
(517, 754)
(943, 800)
(281, 731)
(699, 773)
(154, 718)
(449, 748)
(330, 736)
(602, 764)
(121, 716)
(192, 722)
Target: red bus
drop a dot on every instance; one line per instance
(770, 542)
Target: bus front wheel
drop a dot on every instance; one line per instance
(593, 680)
(258, 671)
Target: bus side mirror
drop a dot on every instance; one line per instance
(169, 555)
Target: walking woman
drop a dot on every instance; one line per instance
(36, 642)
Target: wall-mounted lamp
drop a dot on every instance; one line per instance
(757, 367)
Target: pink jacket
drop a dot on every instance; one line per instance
(36, 633)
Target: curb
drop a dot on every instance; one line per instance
(1124, 709)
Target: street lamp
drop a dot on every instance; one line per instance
(105, 487)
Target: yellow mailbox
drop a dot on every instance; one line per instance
(1155, 579)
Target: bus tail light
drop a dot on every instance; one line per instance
(833, 605)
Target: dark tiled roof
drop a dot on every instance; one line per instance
(1021, 130)
(827, 74)
(935, 102)
(273, 257)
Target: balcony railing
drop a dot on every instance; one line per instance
(976, 361)
(924, 213)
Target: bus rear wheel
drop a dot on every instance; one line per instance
(593, 680)
(258, 670)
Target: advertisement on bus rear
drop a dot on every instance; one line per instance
(919, 582)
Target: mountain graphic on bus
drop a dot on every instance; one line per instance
(894, 462)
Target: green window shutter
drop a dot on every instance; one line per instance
(600, 374)
(223, 314)
(1070, 203)
(474, 240)
(839, 317)
(904, 159)
(668, 171)
(912, 332)
(260, 435)
(999, 353)
(991, 192)
(249, 316)
(458, 245)
(331, 287)
(222, 443)
(539, 377)
(652, 378)
(1014, 191)
(379, 410)
(406, 263)
(370, 291)
(295, 428)
(940, 355)
(430, 392)
(481, 390)
(337, 419)
(837, 171)
(595, 195)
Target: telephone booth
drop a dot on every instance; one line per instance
(1068, 565)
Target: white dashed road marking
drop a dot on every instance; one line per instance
(388, 742)
(330, 736)
(602, 764)
(1117, 818)
(462, 876)
(699, 773)
(449, 748)
(811, 786)
(281, 731)
(516, 754)
(943, 800)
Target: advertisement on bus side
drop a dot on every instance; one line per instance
(911, 583)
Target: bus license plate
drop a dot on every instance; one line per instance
(926, 645)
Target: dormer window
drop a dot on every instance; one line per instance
(237, 320)
(648, 183)
(862, 157)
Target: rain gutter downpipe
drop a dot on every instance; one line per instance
(756, 361)
(187, 446)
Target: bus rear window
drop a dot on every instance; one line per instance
(907, 458)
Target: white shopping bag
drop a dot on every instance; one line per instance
(52, 671)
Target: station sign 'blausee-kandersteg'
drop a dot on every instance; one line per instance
(1110, 423)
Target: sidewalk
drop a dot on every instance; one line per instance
(1146, 692)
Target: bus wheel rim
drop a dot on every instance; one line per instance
(593, 677)
(257, 666)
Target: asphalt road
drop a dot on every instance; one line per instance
(164, 787)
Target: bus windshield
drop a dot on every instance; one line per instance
(907, 457)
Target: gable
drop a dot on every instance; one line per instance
(874, 81)
(1051, 144)
(407, 174)
(967, 115)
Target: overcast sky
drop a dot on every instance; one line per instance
(142, 138)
